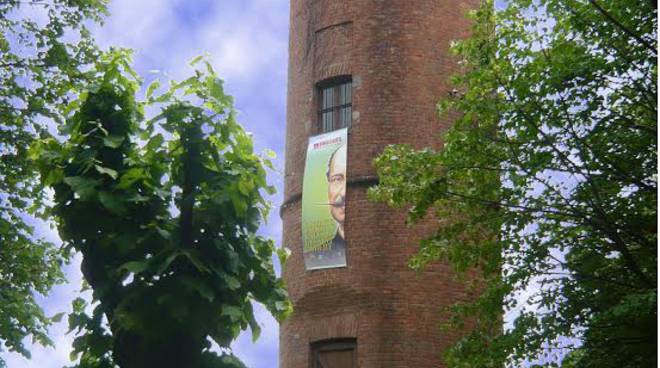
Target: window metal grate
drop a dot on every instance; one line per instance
(335, 105)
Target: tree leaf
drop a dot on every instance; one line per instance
(107, 171)
(152, 87)
(235, 313)
(113, 141)
(135, 266)
(131, 176)
(57, 317)
(112, 202)
(84, 187)
(232, 282)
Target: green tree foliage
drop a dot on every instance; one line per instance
(165, 213)
(547, 184)
(38, 69)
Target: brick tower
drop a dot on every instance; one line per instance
(375, 70)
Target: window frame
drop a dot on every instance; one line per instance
(340, 344)
(337, 107)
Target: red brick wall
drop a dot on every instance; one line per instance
(397, 53)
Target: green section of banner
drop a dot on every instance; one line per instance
(324, 186)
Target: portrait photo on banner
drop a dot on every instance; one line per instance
(324, 201)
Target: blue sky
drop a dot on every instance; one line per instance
(247, 41)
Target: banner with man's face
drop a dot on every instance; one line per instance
(323, 201)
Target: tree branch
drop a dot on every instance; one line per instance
(191, 137)
(623, 28)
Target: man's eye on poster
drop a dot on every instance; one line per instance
(324, 201)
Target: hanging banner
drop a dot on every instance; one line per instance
(324, 200)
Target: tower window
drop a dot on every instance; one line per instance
(338, 353)
(335, 102)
